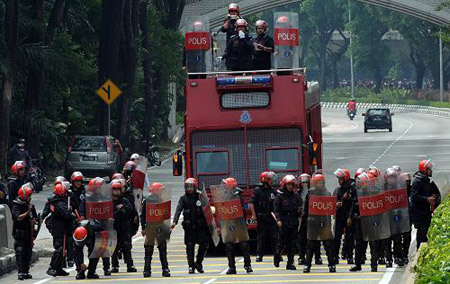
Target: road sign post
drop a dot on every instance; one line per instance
(109, 92)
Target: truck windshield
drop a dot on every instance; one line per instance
(282, 159)
(212, 162)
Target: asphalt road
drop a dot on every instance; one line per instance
(414, 137)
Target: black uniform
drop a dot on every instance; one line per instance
(23, 234)
(195, 228)
(18, 154)
(421, 210)
(231, 30)
(313, 245)
(14, 184)
(244, 246)
(376, 247)
(288, 209)
(62, 223)
(92, 226)
(262, 59)
(263, 201)
(342, 214)
(239, 53)
(162, 248)
(4, 200)
(122, 220)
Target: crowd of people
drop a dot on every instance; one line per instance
(298, 215)
(405, 84)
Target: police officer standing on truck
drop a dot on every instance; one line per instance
(194, 225)
(262, 212)
(229, 25)
(288, 210)
(264, 47)
(240, 48)
(425, 198)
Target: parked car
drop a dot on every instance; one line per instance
(91, 155)
(378, 118)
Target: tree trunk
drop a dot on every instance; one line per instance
(149, 95)
(130, 26)
(10, 27)
(322, 67)
(108, 52)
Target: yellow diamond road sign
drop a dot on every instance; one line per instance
(109, 92)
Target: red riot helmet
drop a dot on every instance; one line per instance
(156, 188)
(304, 178)
(288, 179)
(390, 172)
(117, 176)
(316, 178)
(59, 189)
(426, 167)
(17, 166)
(230, 183)
(241, 23)
(283, 20)
(59, 179)
(342, 174)
(365, 180)
(24, 192)
(80, 234)
(359, 171)
(233, 7)
(76, 176)
(261, 24)
(191, 182)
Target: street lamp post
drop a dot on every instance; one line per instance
(441, 69)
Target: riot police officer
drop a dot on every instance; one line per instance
(159, 236)
(85, 235)
(239, 48)
(264, 47)
(262, 211)
(62, 220)
(319, 227)
(16, 180)
(229, 25)
(345, 193)
(194, 225)
(124, 212)
(23, 214)
(425, 197)
(288, 210)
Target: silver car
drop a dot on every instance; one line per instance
(91, 155)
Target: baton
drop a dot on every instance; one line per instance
(274, 217)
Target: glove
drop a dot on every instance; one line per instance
(241, 34)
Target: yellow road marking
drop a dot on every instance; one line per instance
(302, 281)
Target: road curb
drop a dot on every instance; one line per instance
(442, 112)
(8, 262)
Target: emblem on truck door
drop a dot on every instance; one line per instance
(245, 118)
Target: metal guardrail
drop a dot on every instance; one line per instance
(6, 238)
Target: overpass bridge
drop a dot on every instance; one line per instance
(216, 9)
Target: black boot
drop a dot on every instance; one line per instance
(21, 276)
(163, 258)
(332, 268)
(92, 266)
(148, 261)
(318, 261)
(231, 270)
(388, 264)
(374, 268)
(276, 260)
(128, 259)
(106, 266)
(259, 258)
(190, 251)
(80, 275)
(166, 272)
(202, 248)
(306, 269)
(356, 267)
(52, 270)
(290, 266)
(248, 268)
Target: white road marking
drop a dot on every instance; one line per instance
(392, 144)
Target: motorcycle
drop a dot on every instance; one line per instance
(351, 114)
(152, 153)
(36, 175)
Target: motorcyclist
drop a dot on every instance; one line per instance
(16, 180)
(62, 219)
(19, 153)
(261, 206)
(229, 25)
(23, 214)
(304, 181)
(124, 214)
(351, 106)
(288, 209)
(85, 235)
(155, 190)
(231, 187)
(425, 198)
(239, 48)
(318, 185)
(194, 225)
(264, 47)
(345, 193)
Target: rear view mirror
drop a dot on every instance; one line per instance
(177, 164)
(363, 114)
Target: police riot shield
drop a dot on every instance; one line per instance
(139, 178)
(209, 217)
(373, 211)
(197, 45)
(322, 214)
(396, 197)
(157, 216)
(105, 244)
(233, 226)
(286, 37)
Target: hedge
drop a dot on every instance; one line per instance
(433, 263)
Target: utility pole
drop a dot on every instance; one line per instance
(351, 53)
(441, 69)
